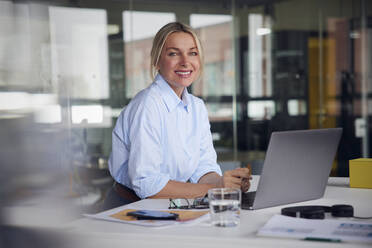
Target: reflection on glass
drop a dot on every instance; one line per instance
(85, 115)
(14, 100)
(139, 29)
(220, 111)
(203, 20)
(296, 107)
(139, 25)
(33, 155)
(215, 32)
(260, 63)
(261, 110)
(113, 29)
(263, 31)
(46, 108)
(218, 80)
(88, 114)
(49, 114)
(79, 50)
(24, 46)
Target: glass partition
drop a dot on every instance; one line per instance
(67, 69)
(139, 29)
(217, 84)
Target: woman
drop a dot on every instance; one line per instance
(161, 144)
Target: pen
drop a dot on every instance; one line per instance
(322, 239)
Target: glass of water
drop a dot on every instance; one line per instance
(224, 205)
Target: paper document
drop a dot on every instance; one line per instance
(327, 230)
(190, 217)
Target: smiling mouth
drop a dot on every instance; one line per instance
(183, 73)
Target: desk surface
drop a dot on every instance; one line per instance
(111, 234)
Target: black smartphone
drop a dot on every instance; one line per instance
(152, 215)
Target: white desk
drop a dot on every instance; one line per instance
(99, 233)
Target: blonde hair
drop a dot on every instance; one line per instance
(159, 41)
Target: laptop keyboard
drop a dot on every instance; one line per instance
(247, 199)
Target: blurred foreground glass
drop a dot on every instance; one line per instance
(224, 205)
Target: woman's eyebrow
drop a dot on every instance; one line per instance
(175, 48)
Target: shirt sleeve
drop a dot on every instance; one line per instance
(208, 156)
(119, 153)
(145, 152)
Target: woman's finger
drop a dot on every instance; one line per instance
(234, 180)
(239, 173)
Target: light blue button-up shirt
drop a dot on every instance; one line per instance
(159, 137)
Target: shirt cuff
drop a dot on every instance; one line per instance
(151, 186)
(196, 177)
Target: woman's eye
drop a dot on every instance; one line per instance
(172, 54)
(194, 53)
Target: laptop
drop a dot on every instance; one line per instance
(296, 168)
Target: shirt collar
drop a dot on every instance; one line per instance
(170, 98)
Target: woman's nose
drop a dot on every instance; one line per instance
(184, 60)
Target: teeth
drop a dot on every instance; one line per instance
(183, 72)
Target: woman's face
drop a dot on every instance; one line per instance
(179, 62)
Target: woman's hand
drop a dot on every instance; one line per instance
(246, 184)
(237, 178)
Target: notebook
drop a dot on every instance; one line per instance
(296, 168)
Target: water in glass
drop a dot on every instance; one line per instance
(224, 207)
